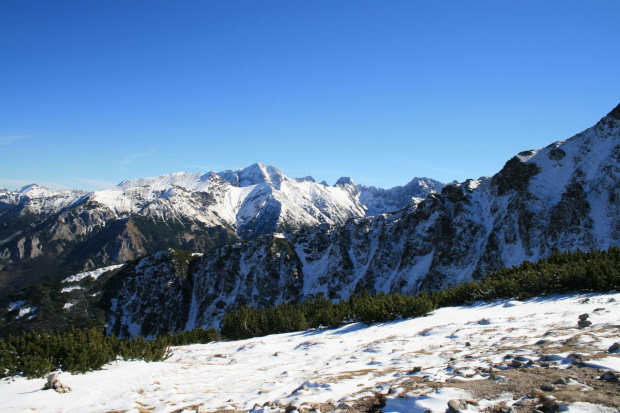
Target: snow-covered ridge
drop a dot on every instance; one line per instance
(234, 199)
(254, 175)
(40, 200)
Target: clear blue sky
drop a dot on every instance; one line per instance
(94, 92)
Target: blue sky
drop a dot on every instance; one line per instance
(93, 92)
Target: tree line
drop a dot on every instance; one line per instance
(35, 354)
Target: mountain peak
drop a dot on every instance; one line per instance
(253, 175)
(615, 113)
(162, 182)
(345, 180)
(31, 189)
(348, 185)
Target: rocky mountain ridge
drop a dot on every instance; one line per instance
(46, 234)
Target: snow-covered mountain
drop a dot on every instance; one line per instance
(47, 234)
(565, 196)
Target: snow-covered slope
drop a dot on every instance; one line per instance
(406, 366)
(69, 231)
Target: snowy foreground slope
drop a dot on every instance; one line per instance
(410, 366)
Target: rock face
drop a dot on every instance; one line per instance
(49, 234)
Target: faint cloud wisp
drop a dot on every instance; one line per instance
(6, 140)
(131, 158)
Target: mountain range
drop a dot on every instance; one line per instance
(46, 235)
(565, 196)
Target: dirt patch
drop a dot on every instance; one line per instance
(528, 383)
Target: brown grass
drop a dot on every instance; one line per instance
(348, 375)
(526, 382)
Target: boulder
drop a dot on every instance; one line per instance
(53, 382)
(584, 323)
(416, 369)
(455, 405)
(614, 347)
(584, 316)
(609, 376)
(548, 387)
(290, 408)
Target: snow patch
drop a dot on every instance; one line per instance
(93, 274)
(69, 289)
(608, 363)
(15, 305)
(25, 311)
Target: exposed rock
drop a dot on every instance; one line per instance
(516, 363)
(584, 316)
(51, 379)
(416, 369)
(550, 403)
(548, 387)
(609, 376)
(584, 323)
(53, 382)
(614, 347)
(455, 405)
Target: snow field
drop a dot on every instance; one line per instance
(343, 364)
